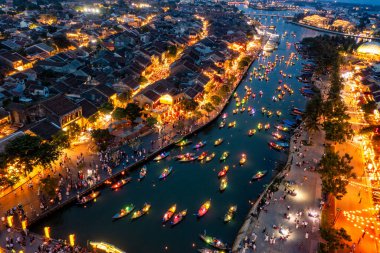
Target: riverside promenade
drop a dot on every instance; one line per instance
(287, 220)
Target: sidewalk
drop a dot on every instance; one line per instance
(268, 230)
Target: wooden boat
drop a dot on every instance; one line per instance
(278, 113)
(200, 144)
(161, 156)
(230, 214)
(202, 156)
(269, 113)
(143, 211)
(204, 208)
(218, 142)
(184, 142)
(210, 157)
(263, 110)
(206, 250)
(223, 184)
(243, 159)
(106, 247)
(222, 124)
(178, 217)
(260, 126)
(282, 144)
(142, 173)
(259, 175)
(232, 124)
(224, 171)
(251, 132)
(165, 173)
(234, 111)
(212, 241)
(225, 115)
(181, 156)
(224, 156)
(188, 159)
(88, 198)
(242, 109)
(124, 212)
(121, 183)
(169, 213)
(275, 146)
(282, 128)
(267, 126)
(277, 135)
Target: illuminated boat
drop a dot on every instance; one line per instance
(184, 142)
(212, 241)
(181, 156)
(261, 93)
(277, 135)
(230, 214)
(178, 217)
(106, 247)
(210, 157)
(188, 159)
(259, 175)
(243, 159)
(204, 208)
(202, 156)
(282, 128)
(142, 173)
(223, 184)
(225, 115)
(200, 144)
(282, 144)
(224, 171)
(260, 126)
(224, 156)
(275, 146)
(251, 132)
(234, 111)
(143, 211)
(242, 109)
(124, 212)
(88, 198)
(121, 183)
(263, 110)
(169, 213)
(165, 173)
(222, 124)
(218, 142)
(232, 124)
(269, 113)
(278, 113)
(267, 126)
(161, 156)
(253, 95)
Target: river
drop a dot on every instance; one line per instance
(193, 183)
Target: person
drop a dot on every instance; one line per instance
(306, 235)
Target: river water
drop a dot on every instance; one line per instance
(191, 184)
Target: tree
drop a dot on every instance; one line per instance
(119, 113)
(124, 97)
(335, 172)
(223, 91)
(48, 186)
(61, 140)
(61, 42)
(172, 51)
(244, 62)
(312, 114)
(133, 111)
(215, 100)
(188, 105)
(106, 108)
(151, 121)
(73, 130)
(369, 107)
(335, 239)
(208, 107)
(102, 137)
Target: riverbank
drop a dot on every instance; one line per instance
(333, 32)
(290, 214)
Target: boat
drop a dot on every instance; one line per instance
(232, 124)
(269, 113)
(161, 156)
(263, 110)
(243, 159)
(143, 211)
(260, 126)
(259, 174)
(234, 111)
(275, 146)
(181, 156)
(225, 115)
(188, 159)
(88, 198)
(121, 183)
(278, 113)
(223, 184)
(282, 128)
(106, 247)
(251, 132)
(206, 250)
(212, 241)
(224, 171)
(224, 156)
(242, 109)
(277, 135)
(165, 173)
(178, 217)
(124, 212)
(282, 144)
(218, 142)
(142, 173)
(222, 124)
(210, 157)
(184, 142)
(202, 156)
(267, 126)
(230, 214)
(204, 208)
(169, 213)
(200, 144)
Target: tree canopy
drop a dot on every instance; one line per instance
(133, 111)
(188, 105)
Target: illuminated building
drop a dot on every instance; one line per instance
(370, 48)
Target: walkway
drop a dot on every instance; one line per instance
(268, 230)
